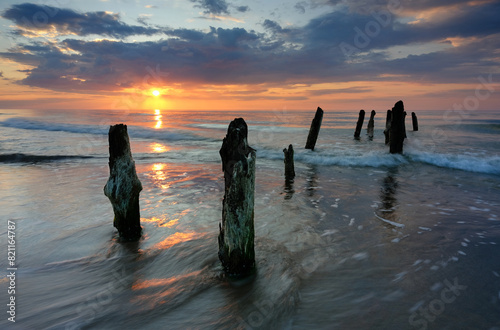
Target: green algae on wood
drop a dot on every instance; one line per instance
(236, 232)
(123, 186)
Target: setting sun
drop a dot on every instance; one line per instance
(156, 93)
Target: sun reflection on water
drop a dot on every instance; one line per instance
(158, 147)
(158, 117)
(159, 175)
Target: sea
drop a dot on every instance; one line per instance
(360, 239)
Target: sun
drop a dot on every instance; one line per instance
(156, 92)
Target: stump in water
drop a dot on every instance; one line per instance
(404, 123)
(387, 131)
(414, 121)
(371, 124)
(397, 128)
(359, 124)
(236, 233)
(289, 164)
(314, 130)
(123, 186)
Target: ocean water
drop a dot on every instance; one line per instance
(361, 239)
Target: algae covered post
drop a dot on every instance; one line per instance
(314, 130)
(123, 186)
(236, 232)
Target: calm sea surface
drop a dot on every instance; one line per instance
(362, 239)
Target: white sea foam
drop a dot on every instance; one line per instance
(478, 164)
(134, 131)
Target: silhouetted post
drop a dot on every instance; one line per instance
(236, 233)
(404, 123)
(123, 186)
(371, 124)
(359, 124)
(289, 164)
(387, 131)
(314, 130)
(414, 121)
(397, 128)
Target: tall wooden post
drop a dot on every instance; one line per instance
(314, 130)
(123, 186)
(371, 124)
(387, 131)
(397, 128)
(359, 124)
(289, 164)
(414, 121)
(236, 232)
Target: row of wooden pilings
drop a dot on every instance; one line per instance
(236, 230)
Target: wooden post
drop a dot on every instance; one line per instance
(359, 124)
(289, 164)
(236, 232)
(387, 131)
(414, 121)
(371, 124)
(314, 130)
(123, 186)
(404, 123)
(397, 128)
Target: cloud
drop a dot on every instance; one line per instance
(301, 7)
(215, 7)
(307, 54)
(30, 17)
(242, 9)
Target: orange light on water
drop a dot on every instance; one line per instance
(158, 117)
(158, 147)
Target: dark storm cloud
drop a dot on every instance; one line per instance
(33, 17)
(308, 54)
(216, 7)
(242, 9)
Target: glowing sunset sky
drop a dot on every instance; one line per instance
(232, 54)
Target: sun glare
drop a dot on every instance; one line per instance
(156, 92)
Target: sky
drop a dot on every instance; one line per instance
(245, 55)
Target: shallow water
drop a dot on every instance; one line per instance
(361, 239)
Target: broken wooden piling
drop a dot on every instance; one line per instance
(359, 124)
(236, 232)
(414, 121)
(371, 125)
(397, 131)
(314, 130)
(123, 186)
(289, 164)
(387, 130)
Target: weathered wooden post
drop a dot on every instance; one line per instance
(404, 123)
(123, 186)
(371, 124)
(387, 131)
(397, 128)
(414, 121)
(359, 124)
(314, 130)
(289, 164)
(236, 233)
